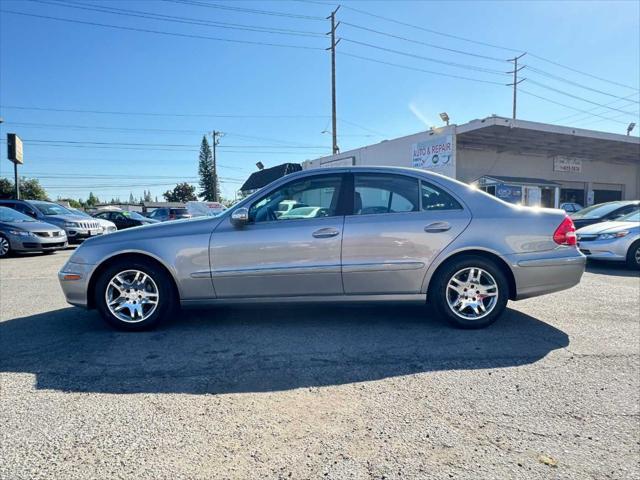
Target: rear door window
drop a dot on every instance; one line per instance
(434, 198)
(376, 193)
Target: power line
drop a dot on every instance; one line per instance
(562, 92)
(160, 32)
(597, 108)
(486, 44)
(562, 79)
(32, 140)
(418, 42)
(428, 59)
(569, 106)
(151, 114)
(406, 67)
(246, 10)
(176, 19)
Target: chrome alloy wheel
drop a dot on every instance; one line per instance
(472, 293)
(132, 296)
(4, 246)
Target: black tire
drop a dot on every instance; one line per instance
(438, 291)
(48, 252)
(167, 296)
(5, 245)
(633, 255)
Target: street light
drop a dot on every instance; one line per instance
(445, 117)
(631, 126)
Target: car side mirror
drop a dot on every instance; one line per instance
(240, 217)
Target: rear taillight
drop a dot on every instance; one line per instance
(565, 234)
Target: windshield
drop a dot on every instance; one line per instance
(134, 216)
(51, 208)
(597, 211)
(630, 217)
(11, 215)
(79, 212)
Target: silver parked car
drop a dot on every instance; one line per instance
(385, 233)
(617, 240)
(21, 233)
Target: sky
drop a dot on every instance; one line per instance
(114, 96)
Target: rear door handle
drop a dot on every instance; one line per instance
(436, 227)
(326, 233)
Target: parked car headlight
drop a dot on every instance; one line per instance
(21, 233)
(609, 236)
(71, 224)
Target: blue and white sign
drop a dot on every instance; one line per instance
(436, 154)
(509, 193)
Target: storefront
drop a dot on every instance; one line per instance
(525, 162)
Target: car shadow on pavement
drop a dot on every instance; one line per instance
(618, 269)
(259, 349)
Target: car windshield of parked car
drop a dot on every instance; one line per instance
(134, 215)
(47, 208)
(596, 211)
(631, 217)
(10, 215)
(80, 212)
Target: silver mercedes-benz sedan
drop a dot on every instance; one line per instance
(379, 234)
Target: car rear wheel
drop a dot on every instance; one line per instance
(633, 255)
(135, 295)
(5, 247)
(470, 292)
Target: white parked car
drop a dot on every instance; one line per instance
(617, 240)
(107, 226)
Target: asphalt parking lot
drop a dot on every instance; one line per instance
(550, 391)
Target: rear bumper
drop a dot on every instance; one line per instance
(544, 273)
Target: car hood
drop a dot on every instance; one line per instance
(150, 231)
(103, 222)
(60, 219)
(35, 226)
(608, 227)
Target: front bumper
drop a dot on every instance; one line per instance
(35, 243)
(613, 249)
(547, 272)
(74, 280)
(77, 234)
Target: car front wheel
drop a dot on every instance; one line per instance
(633, 256)
(134, 295)
(5, 247)
(470, 292)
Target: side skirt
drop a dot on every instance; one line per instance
(413, 298)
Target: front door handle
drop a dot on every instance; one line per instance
(326, 233)
(437, 227)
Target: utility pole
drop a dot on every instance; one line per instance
(216, 135)
(515, 80)
(334, 123)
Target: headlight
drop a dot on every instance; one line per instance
(62, 233)
(21, 233)
(71, 224)
(609, 236)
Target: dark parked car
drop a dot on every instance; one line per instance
(77, 227)
(165, 214)
(21, 233)
(124, 219)
(604, 212)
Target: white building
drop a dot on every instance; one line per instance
(520, 161)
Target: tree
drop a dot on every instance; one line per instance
(205, 170)
(72, 203)
(182, 192)
(92, 201)
(30, 189)
(147, 196)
